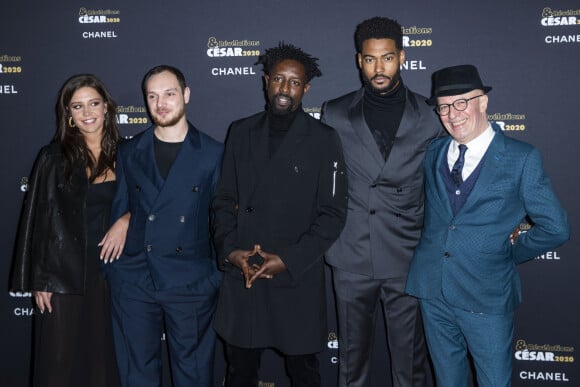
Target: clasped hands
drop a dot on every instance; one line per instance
(271, 265)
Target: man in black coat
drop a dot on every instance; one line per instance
(385, 129)
(279, 204)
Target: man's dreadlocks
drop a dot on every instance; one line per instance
(288, 51)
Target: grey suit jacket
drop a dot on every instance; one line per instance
(385, 211)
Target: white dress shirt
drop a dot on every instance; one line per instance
(476, 149)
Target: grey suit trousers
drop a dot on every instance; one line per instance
(358, 298)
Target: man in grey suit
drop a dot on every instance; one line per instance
(385, 130)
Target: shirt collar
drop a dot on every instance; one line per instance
(479, 144)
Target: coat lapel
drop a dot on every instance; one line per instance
(187, 159)
(408, 123)
(296, 134)
(359, 126)
(263, 164)
(145, 164)
(259, 145)
(492, 165)
(439, 185)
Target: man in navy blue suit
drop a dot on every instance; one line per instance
(479, 186)
(167, 275)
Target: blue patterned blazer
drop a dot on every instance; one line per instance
(468, 258)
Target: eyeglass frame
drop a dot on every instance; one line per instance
(449, 105)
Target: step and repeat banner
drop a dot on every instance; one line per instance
(528, 51)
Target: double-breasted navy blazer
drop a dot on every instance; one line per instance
(468, 258)
(169, 234)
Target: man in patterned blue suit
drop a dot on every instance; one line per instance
(480, 185)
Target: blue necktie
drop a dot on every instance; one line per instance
(458, 166)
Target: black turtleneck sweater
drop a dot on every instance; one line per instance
(279, 124)
(383, 115)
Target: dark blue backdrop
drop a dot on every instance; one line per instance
(528, 51)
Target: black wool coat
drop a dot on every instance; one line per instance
(293, 205)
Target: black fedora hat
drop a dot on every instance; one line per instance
(454, 81)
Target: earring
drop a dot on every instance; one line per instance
(71, 122)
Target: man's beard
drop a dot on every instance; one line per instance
(281, 111)
(168, 121)
(395, 81)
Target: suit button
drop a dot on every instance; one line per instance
(398, 215)
(452, 227)
(178, 249)
(374, 185)
(446, 255)
(399, 190)
(138, 188)
(151, 217)
(372, 212)
(249, 209)
(148, 248)
(195, 188)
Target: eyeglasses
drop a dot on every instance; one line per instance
(459, 105)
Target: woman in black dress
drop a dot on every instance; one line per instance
(64, 231)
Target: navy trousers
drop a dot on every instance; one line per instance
(139, 314)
